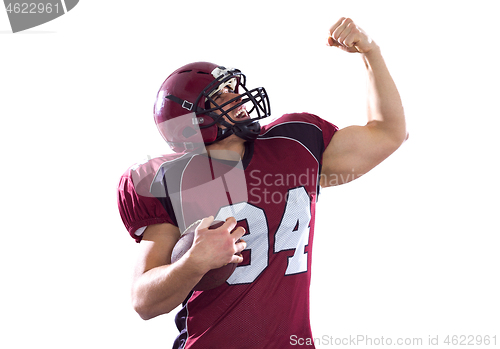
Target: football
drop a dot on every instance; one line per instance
(212, 278)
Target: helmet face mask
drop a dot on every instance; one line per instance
(194, 88)
(257, 97)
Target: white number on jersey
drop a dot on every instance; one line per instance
(292, 234)
(257, 238)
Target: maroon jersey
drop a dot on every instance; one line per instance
(266, 300)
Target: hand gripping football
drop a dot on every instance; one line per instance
(213, 278)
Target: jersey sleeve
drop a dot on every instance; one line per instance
(138, 210)
(317, 137)
(327, 128)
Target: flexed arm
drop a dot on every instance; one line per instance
(355, 150)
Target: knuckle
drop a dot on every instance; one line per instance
(231, 219)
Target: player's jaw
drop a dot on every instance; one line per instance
(237, 114)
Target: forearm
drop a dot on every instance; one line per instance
(385, 109)
(161, 289)
(158, 287)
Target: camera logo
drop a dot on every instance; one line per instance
(31, 13)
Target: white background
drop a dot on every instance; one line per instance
(409, 250)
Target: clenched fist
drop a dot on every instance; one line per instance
(346, 35)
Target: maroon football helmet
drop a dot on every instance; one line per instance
(183, 110)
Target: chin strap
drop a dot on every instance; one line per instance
(248, 130)
(185, 104)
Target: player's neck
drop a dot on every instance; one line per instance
(231, 148)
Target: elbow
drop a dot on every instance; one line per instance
(142, 310)
(393, 142)
(146, 316)
(139, 304)
(400, 137)
(146, 313)
(146, 310)
(401, 134)
(405, 134)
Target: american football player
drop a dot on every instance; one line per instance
(206, 111)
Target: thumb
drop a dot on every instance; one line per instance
(331, 41)
(205, 222)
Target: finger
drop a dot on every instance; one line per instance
(238, 233)
(240, 246)
(353, 39)
(332, 42)
(205, 223)
(344, 35)
(333, 27)
(237, 258)
(229, 224)
(338, 31)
